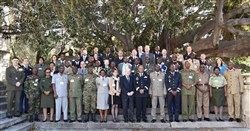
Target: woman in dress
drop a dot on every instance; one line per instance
(217, 83)
(102, 84)
(219, 63)
(47, 97)
(114, 92)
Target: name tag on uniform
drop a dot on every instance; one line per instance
(86, 79)
(61, 83)
(35, 84)
(215, 80)
(200, 79)
(16, 78)
(40, 68)
(20, 69)
(153, 79)
(145, 69)
(159, 79)
(104, 84)
(190, 77)
(86, 62)
(133, 71)
(145, 77)
(72, 80)
(113, 85)
(169, 81)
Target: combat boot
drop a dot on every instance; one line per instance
(93, 117)
(86, 119)
(36, 117)
(31, 118)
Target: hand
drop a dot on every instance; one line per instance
(117, 94)
(174, 93)
(141, 91)
(55, 96)
(128, 93)
(241, 93)
(132, 92)
(18, 84)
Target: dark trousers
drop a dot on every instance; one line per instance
(173, 101)
(23, 102)
(128, 107)
(141, 106)
(13, 95)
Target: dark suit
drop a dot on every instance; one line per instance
(202, 62)
(27, 71)
(141, 83)
(157, 54)
(177, 62)
(132, 60)
(151, 57)
(187, 56)
(127, 101)
(109, 57)
(84, 58)
(173, 83)
(118, 61)
(76, 64)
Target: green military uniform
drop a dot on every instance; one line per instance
(32, 91)
(89, 93)
(41, 68)
(45, 85)
(148, 68)
(188, 96)
(134, 69)
(218, 94)
(13, 76)
(75, 95)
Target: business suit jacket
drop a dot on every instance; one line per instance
(151, 57)
(114, 87)
(120, 67)
(76, 64)
(13, 76)
(157, 84)
(126, 86)
(142, 82)
(118, 61)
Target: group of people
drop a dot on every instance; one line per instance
(85, 83)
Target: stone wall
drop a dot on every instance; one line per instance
(4, 57)
(246, 100)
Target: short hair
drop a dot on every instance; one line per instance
(216, 67)
(41, 58)
(15, 58)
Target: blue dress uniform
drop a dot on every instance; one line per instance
(142, 81)
(173, 83)
(27, 71)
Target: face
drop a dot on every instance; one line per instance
(106, 62)
(84, 52)
(112, 64)
(164, 52)
(203, 56)
(51, 65)
(34, 71)
(127, 72)
(102, 73)
(187, 65)
(107, 50)
(134, 52)
(67, 64)
(115, 73)
(91, 59)
(54, 58)
(95, 50)
(219, 62)
(147, 60)
(159, 61)
(61, 69)
(141, 69)
(82, 64)
(26, 61)
(97, 63)
(40, 61)
(202, 68)
(146, 48)
(90, 70)
(137, 61)
(62, 56)
(74, 70)
(140, 48)
(125, 59)
(217, 71)
(230, 65)
(157, 68)
(77, 57)
(172, 68)
(120, 53)
(47, 72)
(189, 49)
(157, 48)
(209, 62)
(174, 57)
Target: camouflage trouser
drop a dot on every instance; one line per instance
(89, 101)
(34, 105)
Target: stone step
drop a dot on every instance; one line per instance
(3, 106)
(2, 114)
(2, 85)
(26, 126)
(40, 126)
(6, 122)
(3, 98)
(2, 92)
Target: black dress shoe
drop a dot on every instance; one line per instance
(65, 120)
(17, 115)
(138, 120)
(231, 119)
(72, 121)
(57, 121)
(163, 121)
(199, 119)
(170, 120)
(9, 117)
(153, 121)
(44, 120)
(145, 120)
(132, 121)
(126, 121)
(101, 121)
(238, 119)
(192, 120)
(51, 120)
(177, 120)
(184, 120)
(217, 119)
(79, 121)
(221, 119)
(207, 119)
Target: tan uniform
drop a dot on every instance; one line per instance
(202, 98)
(195, 64)
(234, 88)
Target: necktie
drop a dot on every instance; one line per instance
(157, 74)
(128, 78)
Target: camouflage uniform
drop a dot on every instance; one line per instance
(32, 90)
(148, 68)
(89, 93)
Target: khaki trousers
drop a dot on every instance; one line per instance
(233, 102)
(154, 101)
(202, 100)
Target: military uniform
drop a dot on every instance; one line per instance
(41, 68)
(13, 76)
(158, 91)
(89, 93)
(32, 91)
(173, 83)
(75, 82)
(134, 69)
(142, 82)
(202, 98)
(218, 95)
(148, 68)
(234, 88)
(188, 96)
(45, 85)
(195, 64)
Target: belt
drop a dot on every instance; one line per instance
(218, 87)
(202, 84)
